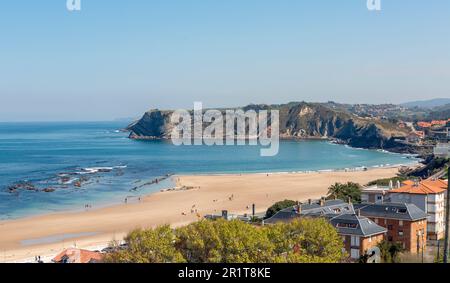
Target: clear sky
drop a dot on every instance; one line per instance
(119, 58)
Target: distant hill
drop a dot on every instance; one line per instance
(440, 113)
(427, 104)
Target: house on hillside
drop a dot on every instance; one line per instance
(415, 137)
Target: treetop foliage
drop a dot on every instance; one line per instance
(301, 241)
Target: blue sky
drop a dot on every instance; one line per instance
(119, 58)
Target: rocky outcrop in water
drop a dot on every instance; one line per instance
(297, 120)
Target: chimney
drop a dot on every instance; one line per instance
(322, 201)
(349, 200)
(310, 201)
(298, 208)
(253, 210)
(225, 214)
(359, 212)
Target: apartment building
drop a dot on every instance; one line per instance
(405, 223)
(359, 234)
(429, 196)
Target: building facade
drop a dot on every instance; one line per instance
(406, 224)
(429, 196)
(359, 234)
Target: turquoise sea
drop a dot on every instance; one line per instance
(51, 167)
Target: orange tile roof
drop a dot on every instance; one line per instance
(423, 188)
(424, 124)
(78, 256)
(438, 122)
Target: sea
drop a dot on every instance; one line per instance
(50, 167)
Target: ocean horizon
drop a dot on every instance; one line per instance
(48, 167)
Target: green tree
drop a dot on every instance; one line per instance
(300, 241)
(243, 243)
(199, 242)
(344, 191)
(279, 206)
(306, 240)
(390, 252)
(223, 241)
(148, 246)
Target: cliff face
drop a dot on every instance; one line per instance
(297, 120)
(154, 124)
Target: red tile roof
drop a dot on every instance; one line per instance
(78, 256)
(439, 122)
(423, 188)
(424, 124)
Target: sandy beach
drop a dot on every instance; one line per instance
(23, 239)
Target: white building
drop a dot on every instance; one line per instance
(442, 150)
(377, 193)
(428, 195)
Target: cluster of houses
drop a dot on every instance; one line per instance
(410, 214)
(437, 130)
(425, 132)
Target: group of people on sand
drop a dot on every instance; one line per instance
(87, 206)
(194, 209)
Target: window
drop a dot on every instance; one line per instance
(347, 225)
(400, 233)
(390, 227)
(354, 254)
(400, 223)
(390, 238)
(355, 241)
(370, 239)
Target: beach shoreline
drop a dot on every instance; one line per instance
(209, 194)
